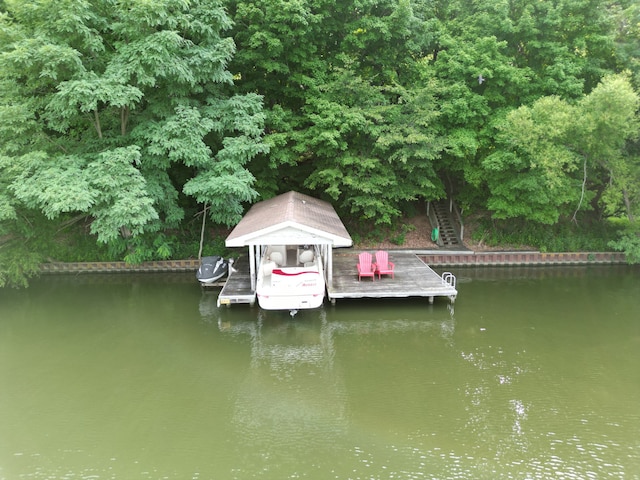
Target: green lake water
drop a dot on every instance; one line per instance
(534, 373)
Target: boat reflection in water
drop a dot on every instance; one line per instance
(293, 393)
(294, 400)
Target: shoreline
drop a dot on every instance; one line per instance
(437, 258)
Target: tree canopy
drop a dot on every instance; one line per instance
(116, 109)
(524, 110)
(136, 115)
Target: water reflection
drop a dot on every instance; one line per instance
(294, 401)
(209, 311)
(482, 406)
(532, 377)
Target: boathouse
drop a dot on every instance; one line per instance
(289, 219)
(292, 220)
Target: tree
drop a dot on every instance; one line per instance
(608, 124)
(114, 109)
(491, 57)
(373, 148)
(555, 157)
(531, 176)
(626, 17)
(349, 114)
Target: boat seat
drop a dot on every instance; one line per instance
(306, 258)
(267, 267)
(277, 257)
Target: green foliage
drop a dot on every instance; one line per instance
(373, 150)
(17, 265)
(344, 108)
(628, 241)
(587, 235)
(610, 124)
(109, 188)
(149, 247)
(216, 246)
(225, 183)
(400, 237)
(122, 203)
(112, 109)
(375, 102)
(626, 19)
(530, 177)
(548, 153)
(134, 115)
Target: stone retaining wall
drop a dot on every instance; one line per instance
(435, 259)
(111, 267)
(523, 258)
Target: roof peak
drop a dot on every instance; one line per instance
(308, 213)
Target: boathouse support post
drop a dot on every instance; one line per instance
(329, 256)
(252, 265)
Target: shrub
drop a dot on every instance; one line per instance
(628, 242)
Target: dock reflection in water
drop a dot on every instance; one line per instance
(293, 404)
(534, 376)
(292, 400)
(522, 386)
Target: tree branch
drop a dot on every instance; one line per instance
(627, 204)
(71, 221)
(48, 138)
(584, 183)
(96, 123)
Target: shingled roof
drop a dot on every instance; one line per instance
(293, 214)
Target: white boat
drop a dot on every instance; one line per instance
(290, 277)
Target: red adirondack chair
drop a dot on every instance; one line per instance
(383, 265)
(365, 267)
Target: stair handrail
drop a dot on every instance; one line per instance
(453, 208)
(434, 223)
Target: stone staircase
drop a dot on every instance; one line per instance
(445, 221)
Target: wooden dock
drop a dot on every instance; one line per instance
(413, 278)
(237, 288)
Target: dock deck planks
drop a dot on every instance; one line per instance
(237, 288)
(413, 278)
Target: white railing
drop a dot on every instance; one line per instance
(449, 278)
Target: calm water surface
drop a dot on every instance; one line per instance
(534, 374)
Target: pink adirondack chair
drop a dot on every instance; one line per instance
(365, 267)
(383, 265)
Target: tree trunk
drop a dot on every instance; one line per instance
(204, 221)
(584, 183)
(96, 123)
(627, 204)
(124, 119)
